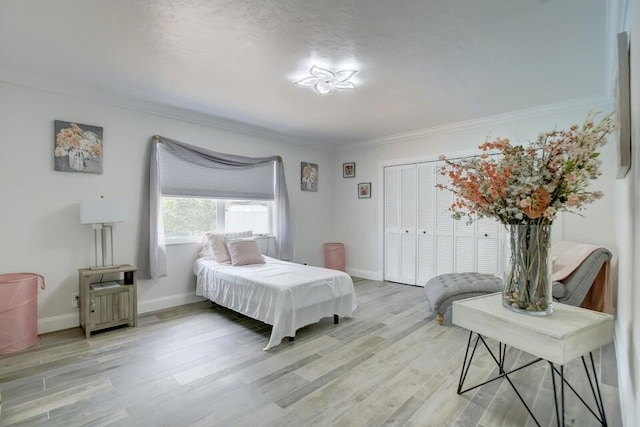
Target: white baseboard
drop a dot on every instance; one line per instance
(58, 323)
(365, 274)
(72, 320)
(167, 302)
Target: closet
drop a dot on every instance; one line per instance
(421, 240)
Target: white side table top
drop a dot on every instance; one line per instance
(567, 333)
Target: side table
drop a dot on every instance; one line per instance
(568, 333)
(111, 300)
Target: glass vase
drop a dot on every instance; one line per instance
(527, 274)
(77, 160)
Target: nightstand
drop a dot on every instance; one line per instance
(108, 297)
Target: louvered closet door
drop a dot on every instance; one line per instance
(487, 246)
(392, 223)
(408, 201)
(426, 222)
(400, 224)
(443, 227)
(464, 246)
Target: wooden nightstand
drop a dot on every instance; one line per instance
(108, 297)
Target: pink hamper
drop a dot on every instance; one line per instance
(19, 311)
(334, 256)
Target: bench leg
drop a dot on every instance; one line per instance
(291, 339)
(440, 318)
(336, 319)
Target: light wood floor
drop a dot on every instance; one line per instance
(203, 365)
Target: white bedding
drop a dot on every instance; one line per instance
(283, 294)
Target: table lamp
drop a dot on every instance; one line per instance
(101, 213)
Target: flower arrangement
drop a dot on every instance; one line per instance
(524, 187)
(78, 144)
(516, 184)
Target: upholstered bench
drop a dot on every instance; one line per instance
(441, 291)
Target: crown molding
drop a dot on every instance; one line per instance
(530, 113)
(104, 97)
(101, 96)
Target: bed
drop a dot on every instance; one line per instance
(285, 295)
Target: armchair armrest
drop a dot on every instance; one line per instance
(573, 289)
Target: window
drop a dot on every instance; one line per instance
(242, 215)
(187, 218)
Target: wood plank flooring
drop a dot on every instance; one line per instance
(203, 365)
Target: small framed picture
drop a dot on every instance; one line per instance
(364, 190)
(349, 170)
(308, 176)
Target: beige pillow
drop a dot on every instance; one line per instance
(213, 245)
(245, 252)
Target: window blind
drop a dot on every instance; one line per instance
(180, 177)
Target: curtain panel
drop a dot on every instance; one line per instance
(207, 168)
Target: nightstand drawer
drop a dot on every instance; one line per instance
(111, 307)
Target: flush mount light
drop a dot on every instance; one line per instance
(326, 82)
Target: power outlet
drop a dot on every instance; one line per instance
(75, 297)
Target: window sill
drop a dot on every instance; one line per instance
(185, 241)
(198, 240)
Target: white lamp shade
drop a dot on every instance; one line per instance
(102, 211)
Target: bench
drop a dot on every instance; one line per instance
(441, 291)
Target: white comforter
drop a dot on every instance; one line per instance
(285, 295)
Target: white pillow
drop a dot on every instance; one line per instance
(213, 245)
(207, 245)
(245, 252)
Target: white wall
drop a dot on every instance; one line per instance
(39, 214)
(359, 225)
(627, 219)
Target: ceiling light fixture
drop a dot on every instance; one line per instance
(325, 81)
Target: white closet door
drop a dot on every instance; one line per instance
(465, 254)
(443, 227)
(392, 223)
(426, 222)
(487, 241)
(421, 240)
(408, 206)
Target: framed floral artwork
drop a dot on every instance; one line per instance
(349, 170)
(364, 190)
(308, 176)
(78, 147)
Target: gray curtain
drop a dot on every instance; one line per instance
(152, 258)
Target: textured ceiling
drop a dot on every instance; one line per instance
(422, 63)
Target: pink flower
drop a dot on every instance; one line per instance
(528, 183)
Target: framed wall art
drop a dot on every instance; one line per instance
(623, 108)
(349, 170)
(77, 147)
(364, 190)
(308, 176)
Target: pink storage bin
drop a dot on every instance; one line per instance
(334, 256)
(19, 311)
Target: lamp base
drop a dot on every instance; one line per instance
(104, 239)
